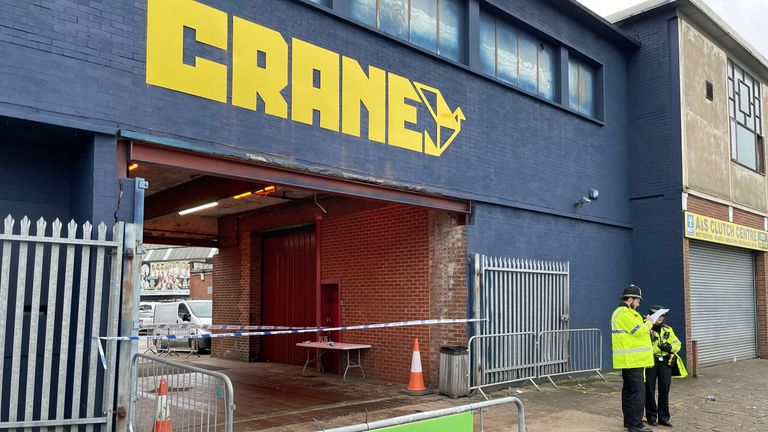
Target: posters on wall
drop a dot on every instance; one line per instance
(170, 277)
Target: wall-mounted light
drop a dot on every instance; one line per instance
(198, 208)
(582, 202)
(266, 191)
(594, 194)
(133, 166)
(263, 192)
(243, 195)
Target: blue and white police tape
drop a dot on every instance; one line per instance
(185, 326)
(280, 332)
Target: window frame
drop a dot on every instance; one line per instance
(178, 311)
(541, 46)
(581, 63)
(406, 36)
(736, 83)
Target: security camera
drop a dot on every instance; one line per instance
(594, 194)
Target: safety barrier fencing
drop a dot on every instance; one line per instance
(502, 359)
(506, 358)
(440, 413)
(176, 340)
(569, 352)
(197, 399)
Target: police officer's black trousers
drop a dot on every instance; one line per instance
(633, 396)
(662, 373)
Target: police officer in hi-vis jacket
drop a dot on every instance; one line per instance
(632, 353)
(665, 348)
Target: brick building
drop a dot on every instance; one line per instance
(353, 162)
(351, 159)
(201, 281)
(698, 185)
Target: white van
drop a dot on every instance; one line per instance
(186, 311)
(146, 315)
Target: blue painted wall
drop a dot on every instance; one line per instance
(53, 172)
(56, 172)
(600, 257)
(525, 161)
(656, 172)
(87, 64)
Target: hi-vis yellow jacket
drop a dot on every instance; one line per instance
(666, 334)
(631, 338)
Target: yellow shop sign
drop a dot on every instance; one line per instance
(719, 231)
(320, 80)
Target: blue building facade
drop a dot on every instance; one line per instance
(515, 108)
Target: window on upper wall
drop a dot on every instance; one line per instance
(745, 118)
(434, 25)
(516, 57)
(326, 3)
(581, 87)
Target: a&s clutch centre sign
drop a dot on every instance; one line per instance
(323, 81)
(719, 231)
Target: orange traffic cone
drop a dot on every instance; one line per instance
(162, 415)
(416, 385)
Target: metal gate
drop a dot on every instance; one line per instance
(722, 283)
(56, 293)
(518, 296)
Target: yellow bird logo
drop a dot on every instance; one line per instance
(444, 119)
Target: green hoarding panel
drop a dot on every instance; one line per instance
(455, 423)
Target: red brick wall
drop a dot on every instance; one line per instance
(745, 218)
(707, 208)
(448, 283)
(741, 217)
(231, 298)
(761, 267)
(381, 258)
(198, 286)
(393, 263)
(255, 294)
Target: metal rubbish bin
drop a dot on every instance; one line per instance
(454, 370)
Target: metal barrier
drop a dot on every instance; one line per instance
(566, 352)
(197, 399)
(513, 357)
(502, 359)
(520, 295)
(177, 341)
(411, 418)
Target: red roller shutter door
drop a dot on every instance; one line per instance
(289, 286)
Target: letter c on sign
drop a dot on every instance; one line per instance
(166, 20)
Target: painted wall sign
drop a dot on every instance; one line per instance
(718, 231)
(320, 80)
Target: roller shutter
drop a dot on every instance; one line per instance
(723, 317)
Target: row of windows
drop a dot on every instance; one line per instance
(434, 25)
(529, 63)
(506, 53)
(516, 57)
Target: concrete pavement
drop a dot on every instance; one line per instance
(276, 398)
(739, 391)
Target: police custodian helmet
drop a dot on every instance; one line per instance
(632, 291)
